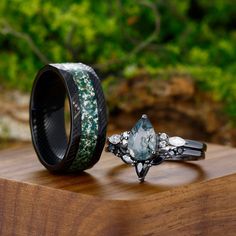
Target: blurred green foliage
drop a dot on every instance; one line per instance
(194, 37)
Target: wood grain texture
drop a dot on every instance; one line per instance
(196, 198)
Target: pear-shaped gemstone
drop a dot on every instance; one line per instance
(142, 140)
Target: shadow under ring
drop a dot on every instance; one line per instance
(200, 175)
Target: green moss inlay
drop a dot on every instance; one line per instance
(89, 115)
(89, 121)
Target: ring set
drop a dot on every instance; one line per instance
(82, 148)
(143, 148)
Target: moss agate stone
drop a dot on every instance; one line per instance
(142, 140)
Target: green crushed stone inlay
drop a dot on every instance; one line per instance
(89, 118)
(89, 121)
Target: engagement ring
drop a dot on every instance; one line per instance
(143, 148)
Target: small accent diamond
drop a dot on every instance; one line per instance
(127, 159)
(177, 141)
(172, 153)
(140, 167)
(162, 144)
(163, 136)
(126, 135)
(124, 142)
(114, 139)
(180, 150)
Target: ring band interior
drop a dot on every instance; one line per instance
(48, 120)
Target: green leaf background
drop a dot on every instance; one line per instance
(121, 37)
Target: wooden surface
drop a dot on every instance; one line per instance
(111, 179)
(196, 198)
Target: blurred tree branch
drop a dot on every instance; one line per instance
(142, 45)
(7, 29)
(69, 45)
(153, 36)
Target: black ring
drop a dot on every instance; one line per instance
(142, 147)
(191, 151)
(88, 117)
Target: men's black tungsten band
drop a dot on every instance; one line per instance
(88, 117)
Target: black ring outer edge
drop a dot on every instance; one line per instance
(74, 138)
(195, 145)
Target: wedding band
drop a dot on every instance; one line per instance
(88, 119)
